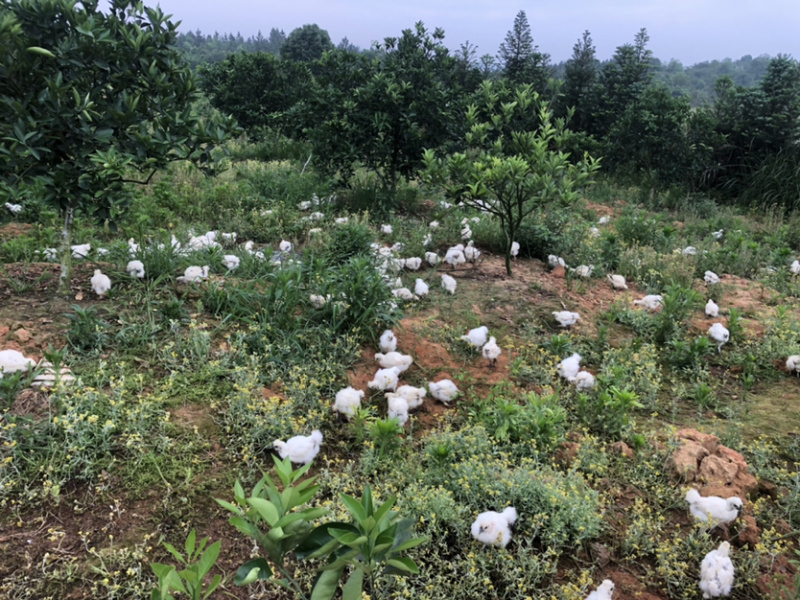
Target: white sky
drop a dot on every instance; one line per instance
(689, 30)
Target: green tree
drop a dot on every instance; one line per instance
(521, 59)
(511, 173)
(91, 99)
(385, 110)
(306, 44)
(580, 83)
(257, 89)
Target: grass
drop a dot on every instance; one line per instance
(184, 389)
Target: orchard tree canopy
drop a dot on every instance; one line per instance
(89, 98)
(306, 44)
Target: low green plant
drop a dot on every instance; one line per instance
(385, 435)
(197, 563)
(372, 545)
(86, 331)
(609, 411)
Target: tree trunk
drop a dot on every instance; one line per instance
(66, 253)
(509, 240)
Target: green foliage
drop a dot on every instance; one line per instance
(348, 240)
(197, 562)
(511, 174)
(87, 331)
(384, 111)
(87, 97)
(306, 44)
(522, 61)
(275, 520)
(609, 411)
(373, 545)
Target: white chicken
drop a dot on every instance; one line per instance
(230, 261)
(491, 352)
(388, 341)
(716, 572)
(404, 293)
(101, 284)
(420, 288)
(444, 391)
(794, 268)
(194, 274)
(347, 401)
(471, 253)
(514, 249)
(413, 263)
(394, 359)
(414, 396)
(135, 268)
(584, 381)
(476, 337)
(603, 592)
(80, 250)
(397, 408)
(651, 301)
(455, 256)
(618, 282)
(449, 283)
(569, 367)
(793, 364)
(583, 270)
(720, 334)
(493, 528)
(566, 318)
(432, 258)
(713, 509)
(712, 308)
(300, 449)
(387, 229)
(554, 261)
(318, 301)
(711, 278)
(12, 361)
(285, 246)
(385, 379)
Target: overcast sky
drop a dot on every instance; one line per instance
(689, 30)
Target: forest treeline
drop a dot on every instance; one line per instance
(383, 107)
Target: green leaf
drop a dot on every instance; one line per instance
(214, 584)
(403, 564)
(190, 541)
(178, 556)
(355, 508)
(228, 506)
(326, 584)
(410, 544)
(208, 559)
(40, 51)
(352, 589)
(257, 568)
(266, 509)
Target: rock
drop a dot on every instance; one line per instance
(4, 329)
(708, 441)
(560, 272)
(716, 470)
(685, 461)
(622, 449)
(749, 533)
(567, 452)
(600, 554)
(768, 488)
(22, 335)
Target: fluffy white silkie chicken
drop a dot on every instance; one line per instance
(444, 390)
(603, 592)
(394, 359)
(569, 367)
(194, 274)
(712, 308)
(449, 283)
(348, 400)
(491, 352)
(12, 361)
(230, 262)
(618, 282)
(476, 337)
(716, 572)
(413, 263)
(301, 449)
(397, 408)
(420, 288)
(793, 364)
(584, 381)
(432, 258)
(514, 249)
(493, 528)
(566, 318)
(720, 334)
(713, 509)
(651, 301)
(554, 261)
(101, 284)
(583, 270)
(385, 379)
(135, 268)
(414, 396)
(455, 256)
(388, 341)
(711, 278)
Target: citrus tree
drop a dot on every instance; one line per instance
(90, 100)
(509, 171)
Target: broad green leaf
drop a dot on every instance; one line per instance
(40, 51)
(326, 584)
(257, 568)
(178, 556)
(208, 559)
(228, 506)
(266, 509)
(217, 579)
(352, 589)
(190, 541)
(410, 544)
(355, 508)
(403, 564)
